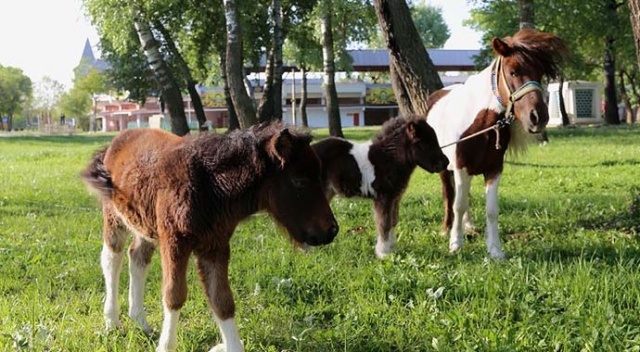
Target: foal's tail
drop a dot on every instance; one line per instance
(97, 177)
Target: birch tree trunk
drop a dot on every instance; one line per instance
(634, 7)
(233, 123)
(191, 83)
(328, 63)
(527, 14)
(278, 41)
(303, 98)
(170, 91)
(235, 70)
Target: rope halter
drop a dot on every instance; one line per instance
(526, 88)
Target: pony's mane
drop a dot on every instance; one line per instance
(544, 52)
(255, 135)
(247, 144)
(393, 130)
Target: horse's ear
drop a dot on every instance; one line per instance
(412, 132)
(501, 47)
(281, 146)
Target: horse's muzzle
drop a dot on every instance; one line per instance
(319, 238)
(538, 121)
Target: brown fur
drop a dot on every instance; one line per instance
(529, 55)
(395, 151)
(188, 194)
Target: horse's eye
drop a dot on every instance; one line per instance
(514, 74)
(299, 182)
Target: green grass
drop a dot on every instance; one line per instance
(570, 217)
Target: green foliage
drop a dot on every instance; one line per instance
(76, 103)
(584, 25)
(569, 222)
(353, 21)
(15, 90)
(429, 22)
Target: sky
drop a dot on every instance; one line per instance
(46, 37)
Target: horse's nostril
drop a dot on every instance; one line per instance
(534, 117)
(334, 229)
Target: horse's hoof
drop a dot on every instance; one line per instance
(222, 348)
(454, 247)
(381, 255)
(219, 348)
(112, 324)
(497, 254)
(383, 249)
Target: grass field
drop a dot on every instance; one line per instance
(570, 217)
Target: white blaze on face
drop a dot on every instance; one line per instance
(360, 152)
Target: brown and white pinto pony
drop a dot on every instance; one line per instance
(186, 196)
(459, 111)
(380, 169)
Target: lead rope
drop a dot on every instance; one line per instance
(524, 89)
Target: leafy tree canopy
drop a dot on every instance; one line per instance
(15, 90)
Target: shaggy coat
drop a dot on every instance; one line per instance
(186, 195)
(380, 169)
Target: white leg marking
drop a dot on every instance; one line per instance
(467, 221)
(111, 263)
(460, 207)
(360, 152)
(384, 248)
(137, 279)
(169, 335)
(230, 337)
(493, 238)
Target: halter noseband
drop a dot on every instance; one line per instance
(526, 88)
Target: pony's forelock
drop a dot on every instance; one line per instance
(544, 52)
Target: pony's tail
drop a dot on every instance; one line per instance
(97, 177)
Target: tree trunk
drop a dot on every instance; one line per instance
(634, 7)
(266, 106)
(563, 109)
(191, 83)
(636, 95)
(235, 70)
(628, 110)
(303, 98)
(407, 55)
(611, 102)
(330, 92)
(526, 14)
(170, 90)
(278, 40)
(402, 96)
(233, 123)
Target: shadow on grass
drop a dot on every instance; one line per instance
(607, 163)
(626, 222)
(608, 255)
(84, 139)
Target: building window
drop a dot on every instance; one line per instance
(584, 103)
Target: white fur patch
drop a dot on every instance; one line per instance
(360, 152)
(230, 337)
(384, 248)
(111, 263)
(169, 335)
